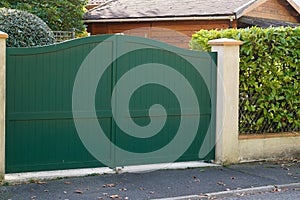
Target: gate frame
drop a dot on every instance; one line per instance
(227, 100)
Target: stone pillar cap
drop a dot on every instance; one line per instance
(3, 35)
(225, 42)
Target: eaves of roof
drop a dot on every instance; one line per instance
(183, 18)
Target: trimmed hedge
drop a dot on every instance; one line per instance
(24, 29)
(269, 76)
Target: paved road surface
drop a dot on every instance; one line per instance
(163, 183)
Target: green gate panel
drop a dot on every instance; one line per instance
(41, 129)
(198, 69)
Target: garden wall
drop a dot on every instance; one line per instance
(268, 146)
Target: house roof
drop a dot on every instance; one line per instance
(94, 3)
(123, 9)
(163, 9)
(265, 23)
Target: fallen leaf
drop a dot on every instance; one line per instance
(41, 182)
(109, 185)
(203, 195)
(114, 196)
(78, 192)
(241, 194)
(67, 183)
(276, 190)
(221, 183)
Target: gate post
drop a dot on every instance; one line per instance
(227, 107)
(3, 37)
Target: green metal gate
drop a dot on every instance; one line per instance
(108, 100)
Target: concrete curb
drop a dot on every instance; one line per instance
(246, 191)
(26, 176)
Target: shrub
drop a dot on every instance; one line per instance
(60, 15)
(269, 76)
(24, 29)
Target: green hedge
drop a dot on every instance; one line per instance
(269, 76)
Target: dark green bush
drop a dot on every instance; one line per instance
(60, 15)
(24, 29)
(269, 76)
